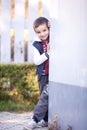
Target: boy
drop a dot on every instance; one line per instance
(41, 59)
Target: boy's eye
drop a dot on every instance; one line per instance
(44, 30)
(38, 32)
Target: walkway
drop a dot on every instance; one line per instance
(14, 121)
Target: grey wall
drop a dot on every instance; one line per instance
(68, 64)
(70, 104)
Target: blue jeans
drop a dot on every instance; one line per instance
(41, 109)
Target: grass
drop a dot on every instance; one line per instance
(15, 106)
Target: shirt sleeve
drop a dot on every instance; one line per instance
(39, 58)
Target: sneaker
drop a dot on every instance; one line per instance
(42, 123)
(31, 125)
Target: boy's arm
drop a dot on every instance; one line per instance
(39, 58)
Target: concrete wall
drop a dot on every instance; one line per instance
(68, 64)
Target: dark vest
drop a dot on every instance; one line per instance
(39, 68)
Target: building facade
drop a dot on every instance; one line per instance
(68, 64)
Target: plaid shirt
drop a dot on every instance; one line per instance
(46, 64)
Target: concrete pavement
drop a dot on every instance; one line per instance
(14, 121)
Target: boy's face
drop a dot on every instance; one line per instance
(42, 31)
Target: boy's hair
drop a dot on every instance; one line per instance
(39, 21)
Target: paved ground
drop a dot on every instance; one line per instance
(14, 121)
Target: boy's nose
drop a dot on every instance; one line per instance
(42, 33)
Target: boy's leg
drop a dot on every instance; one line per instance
(40, 111)
(43, 82)
(46, 117)
(42, 106)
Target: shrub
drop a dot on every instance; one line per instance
(18, 83)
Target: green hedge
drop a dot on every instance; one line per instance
(18, 83)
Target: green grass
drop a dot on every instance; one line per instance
(16, 107)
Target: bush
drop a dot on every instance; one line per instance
(18, 83)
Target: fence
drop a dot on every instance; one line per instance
(16, 33)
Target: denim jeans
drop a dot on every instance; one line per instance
(41, 109)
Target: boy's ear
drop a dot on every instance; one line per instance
(49, 25)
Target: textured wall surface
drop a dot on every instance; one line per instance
(68, 64)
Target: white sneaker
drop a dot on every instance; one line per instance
(31, 125)
(42, 123)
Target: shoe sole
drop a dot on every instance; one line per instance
(25, 127)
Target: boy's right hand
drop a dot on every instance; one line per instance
(48, 47)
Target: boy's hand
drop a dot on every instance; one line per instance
(48, 47)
